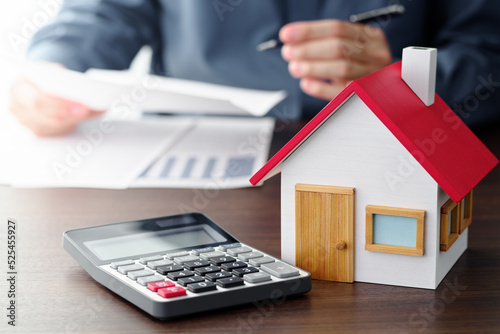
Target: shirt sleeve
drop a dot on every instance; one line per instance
(466, 34)
(97, 33)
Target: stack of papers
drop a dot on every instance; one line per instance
(169, 151)
(105, 89)
(116, 151)
(98, 155)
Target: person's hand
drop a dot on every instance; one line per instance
(43, 114)
(326, 55)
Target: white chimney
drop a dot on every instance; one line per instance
(419, 72)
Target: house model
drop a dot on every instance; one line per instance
(378, 186)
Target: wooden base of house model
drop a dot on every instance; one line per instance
(378, 186)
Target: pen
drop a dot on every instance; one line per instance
(369, 16)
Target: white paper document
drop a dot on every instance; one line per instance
(158, 152)
(217, 153)
(98, 155)
(106, 89)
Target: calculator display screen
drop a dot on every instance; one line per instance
(151, 242)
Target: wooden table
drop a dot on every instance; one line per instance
(55, 295)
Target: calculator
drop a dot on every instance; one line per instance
(182, 264)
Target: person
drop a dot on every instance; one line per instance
(215, 41)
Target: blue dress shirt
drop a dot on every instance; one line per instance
(215, 41)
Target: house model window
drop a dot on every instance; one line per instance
(450, 216)
(455, 218)
(395, 230)
(466, 210)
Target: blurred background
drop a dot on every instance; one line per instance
(18, 22)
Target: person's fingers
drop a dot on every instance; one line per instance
(40, 124)
(297, 32)
(328, 69)
(45, 114)
(361, 47)
(328, 48)
(322, 89)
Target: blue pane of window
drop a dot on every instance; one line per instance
(394, 230)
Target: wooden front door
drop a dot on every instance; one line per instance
(324, 231)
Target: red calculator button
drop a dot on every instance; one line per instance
(173, 291)
(159, 285)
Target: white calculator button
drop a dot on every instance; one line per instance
(170, 256)
(247, 256)
(227, 246)
(257, 277)
(261, 260)
(206, 256)
(238, 250)
(149, 279)
(125, 269)
(202, 250)
(155, 264)
(280, 269)
(139, 273)
(182, 259)
(145, 260)
(115, 265)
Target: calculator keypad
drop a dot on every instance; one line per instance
(204, 269)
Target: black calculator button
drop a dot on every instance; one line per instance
(207, 270)
(222, 259)
(202, 287)
(174, 276)
(191, 265)
(233, 265)
(230, 282)
(184, 281)
(240, 272)
(215, 276)
(164, 270)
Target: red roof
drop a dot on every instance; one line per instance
(445, 147)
